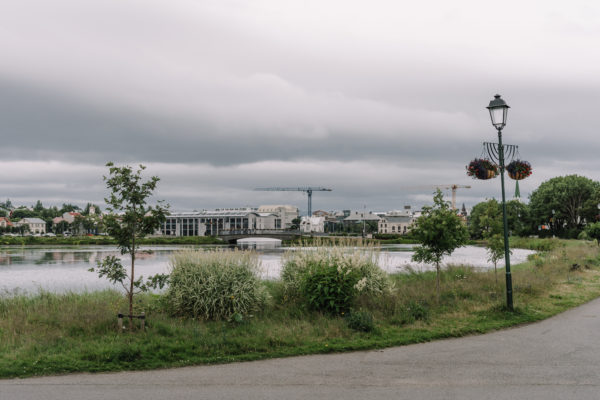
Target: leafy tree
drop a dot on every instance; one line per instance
(3, 213)
(87, 223)
(571, 197)
(296, 223)
(7, 204)
(484, 219)
(77, 226)
(38, 208)
(61, 227)
(130, 219)
(517, 215)
(49, 213)
(69, 208)
(494, 234)
(22, 229)
(20, 213)
(519, 218)
(440, 231)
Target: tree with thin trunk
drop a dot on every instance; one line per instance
(440, 231)
(129, 219)
(495, 249)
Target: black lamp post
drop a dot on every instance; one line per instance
(498, 112)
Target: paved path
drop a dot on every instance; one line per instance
(555, 359)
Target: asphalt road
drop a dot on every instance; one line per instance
(555, 359)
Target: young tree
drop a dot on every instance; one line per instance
(440, 231)
(490, 223)
(495, 250)
(129, 220)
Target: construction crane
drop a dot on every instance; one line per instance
(309, 191)
(453, 187)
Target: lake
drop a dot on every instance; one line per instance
(61, 269)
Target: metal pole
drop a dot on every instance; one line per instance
(309, 202)
(509, 297)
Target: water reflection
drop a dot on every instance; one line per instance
(66, 269)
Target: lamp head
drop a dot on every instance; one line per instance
(498, 111)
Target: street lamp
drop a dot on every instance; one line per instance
(498, 113)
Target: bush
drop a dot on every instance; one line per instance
(329, 288)
(329, 280)
(416, 311)
(361, 321)
(583, 235)
(214, 284)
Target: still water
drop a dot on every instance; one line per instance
(60, 269)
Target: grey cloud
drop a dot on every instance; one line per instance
(221, 97)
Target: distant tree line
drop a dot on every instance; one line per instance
(563, 207)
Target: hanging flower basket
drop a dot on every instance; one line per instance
(518, 169)
(481, 168)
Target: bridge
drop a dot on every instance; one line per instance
(232, 236)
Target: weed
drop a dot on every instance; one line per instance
(361, 321)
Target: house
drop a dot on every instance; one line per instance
(35, 225)
(70, 216)
(5, 223)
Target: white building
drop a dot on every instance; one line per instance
(285, 212)
(312, 225)
(35, 225)
(397, 222)
(219, 222)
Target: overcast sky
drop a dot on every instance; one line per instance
(378, 100)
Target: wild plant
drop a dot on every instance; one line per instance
(329, 278)
(215, 284)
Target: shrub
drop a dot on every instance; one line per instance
(361, 321)
(329, 288)
(416, 311)
(583, 235)
(329, 279)
(215, 284)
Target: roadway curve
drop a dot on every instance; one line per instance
(554, 359)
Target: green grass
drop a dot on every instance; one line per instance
(53, 334)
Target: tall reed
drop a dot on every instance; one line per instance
(215, 284)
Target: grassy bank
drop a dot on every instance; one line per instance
(102, 240)
(51, 334)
